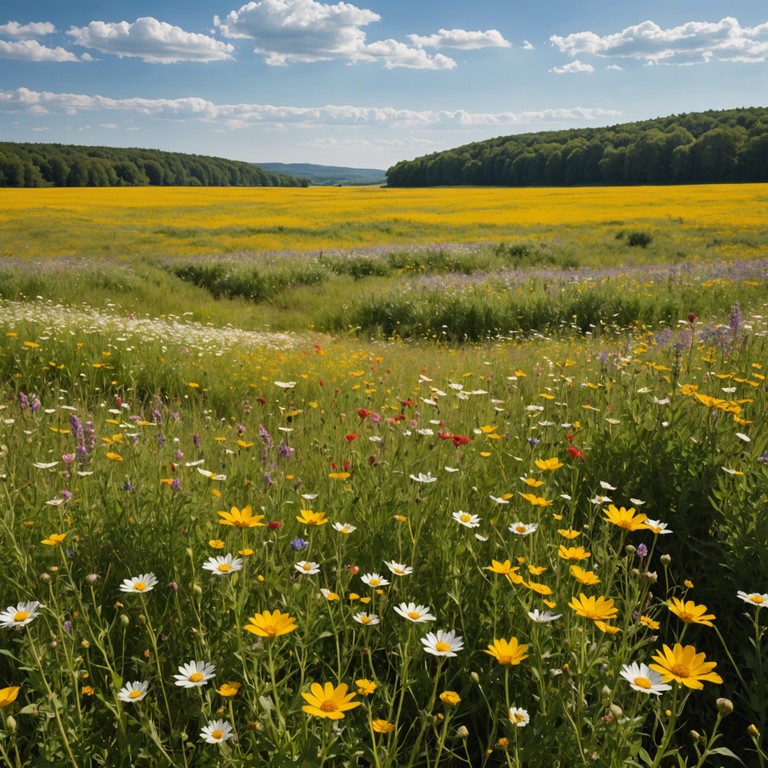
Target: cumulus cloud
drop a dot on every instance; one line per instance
(299, 30)
(461, 38)
(689, 43)
(34, 29)
(573, 67)
(409, 142)
(286, 31)
(232, 116)
(156, 42)
(396, 54)
(31, 50)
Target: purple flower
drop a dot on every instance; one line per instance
(176, 484)
(157, 417)
(764, 458)
(265, 436)
(196, 440)
(642, 551)
(533, 441)
(299, 544)
(66, 495)
(284, 451)
(160, 439)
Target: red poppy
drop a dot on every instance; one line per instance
(460, 440)
(363, 413)
(575, 452)
(350, 437)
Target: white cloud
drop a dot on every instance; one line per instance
(299, 30)
(573, 67)
(461, 38)
(156, 42)
(409, 142)
(689, 43)
(234, 116)
(396, 54)
(286, 31)
(31, 50)
(34, 29)
(527, 45)
(614, 68)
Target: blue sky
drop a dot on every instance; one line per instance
(366, 83)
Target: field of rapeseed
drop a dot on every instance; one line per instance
(224, 548)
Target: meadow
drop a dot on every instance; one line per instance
(458, 504)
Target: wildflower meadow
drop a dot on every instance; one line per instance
(232, 547)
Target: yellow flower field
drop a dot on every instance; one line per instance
(126, 222)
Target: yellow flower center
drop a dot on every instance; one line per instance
(680, 670)
(518, 717)
(217, 733)
(465, 518)
(758, 599)
(20, 616)
(505, 659)
(521, 528)
(328, 706)
(196, 677)
(442, 647)
(224, 567)
(399, 571)
(365, 619)
(414, 615)
(307, 566)
(134, 694)
(643, 682)
(374, 582)
(139, 586)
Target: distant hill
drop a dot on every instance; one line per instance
(66, 165)
(695, 148)
(328, 174)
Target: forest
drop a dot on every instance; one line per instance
(705, 147)
(64, 165)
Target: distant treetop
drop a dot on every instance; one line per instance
(64, 165)
(701, 147)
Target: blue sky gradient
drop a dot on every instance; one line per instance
(364, 84)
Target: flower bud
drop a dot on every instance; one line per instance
(462, 732)
(125, 619)
(92, 578)
(630, 549)
(10, 724)
(665, 559)
(45, 577)
(474, 677)
(695, 735)
(724, 706)
(651, 577)
(616, 711)
(752, 730)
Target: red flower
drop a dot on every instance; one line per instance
(407, 402)
(363, 413)
(262, 400)
(460, 440)
(575, 452)
(352, 436)
(445, 435)
(346, 465)
(274, 524)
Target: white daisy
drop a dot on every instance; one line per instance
(195, 673)
(374, 580)
(415, 613)
(217, 731)
(422, 478)
(656, 526)
(399, 569)
(307, 568)
(523, 529)
(643, 679)
(470, 521)
(753, 598)
(133, 692)
(519, 717)
(19, 616)
(223, 566)
(142, 583)
(366, 618)
(544, 617)
(442, 643)
(344, 528)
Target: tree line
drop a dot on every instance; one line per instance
(703, 147)
(65, 165)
